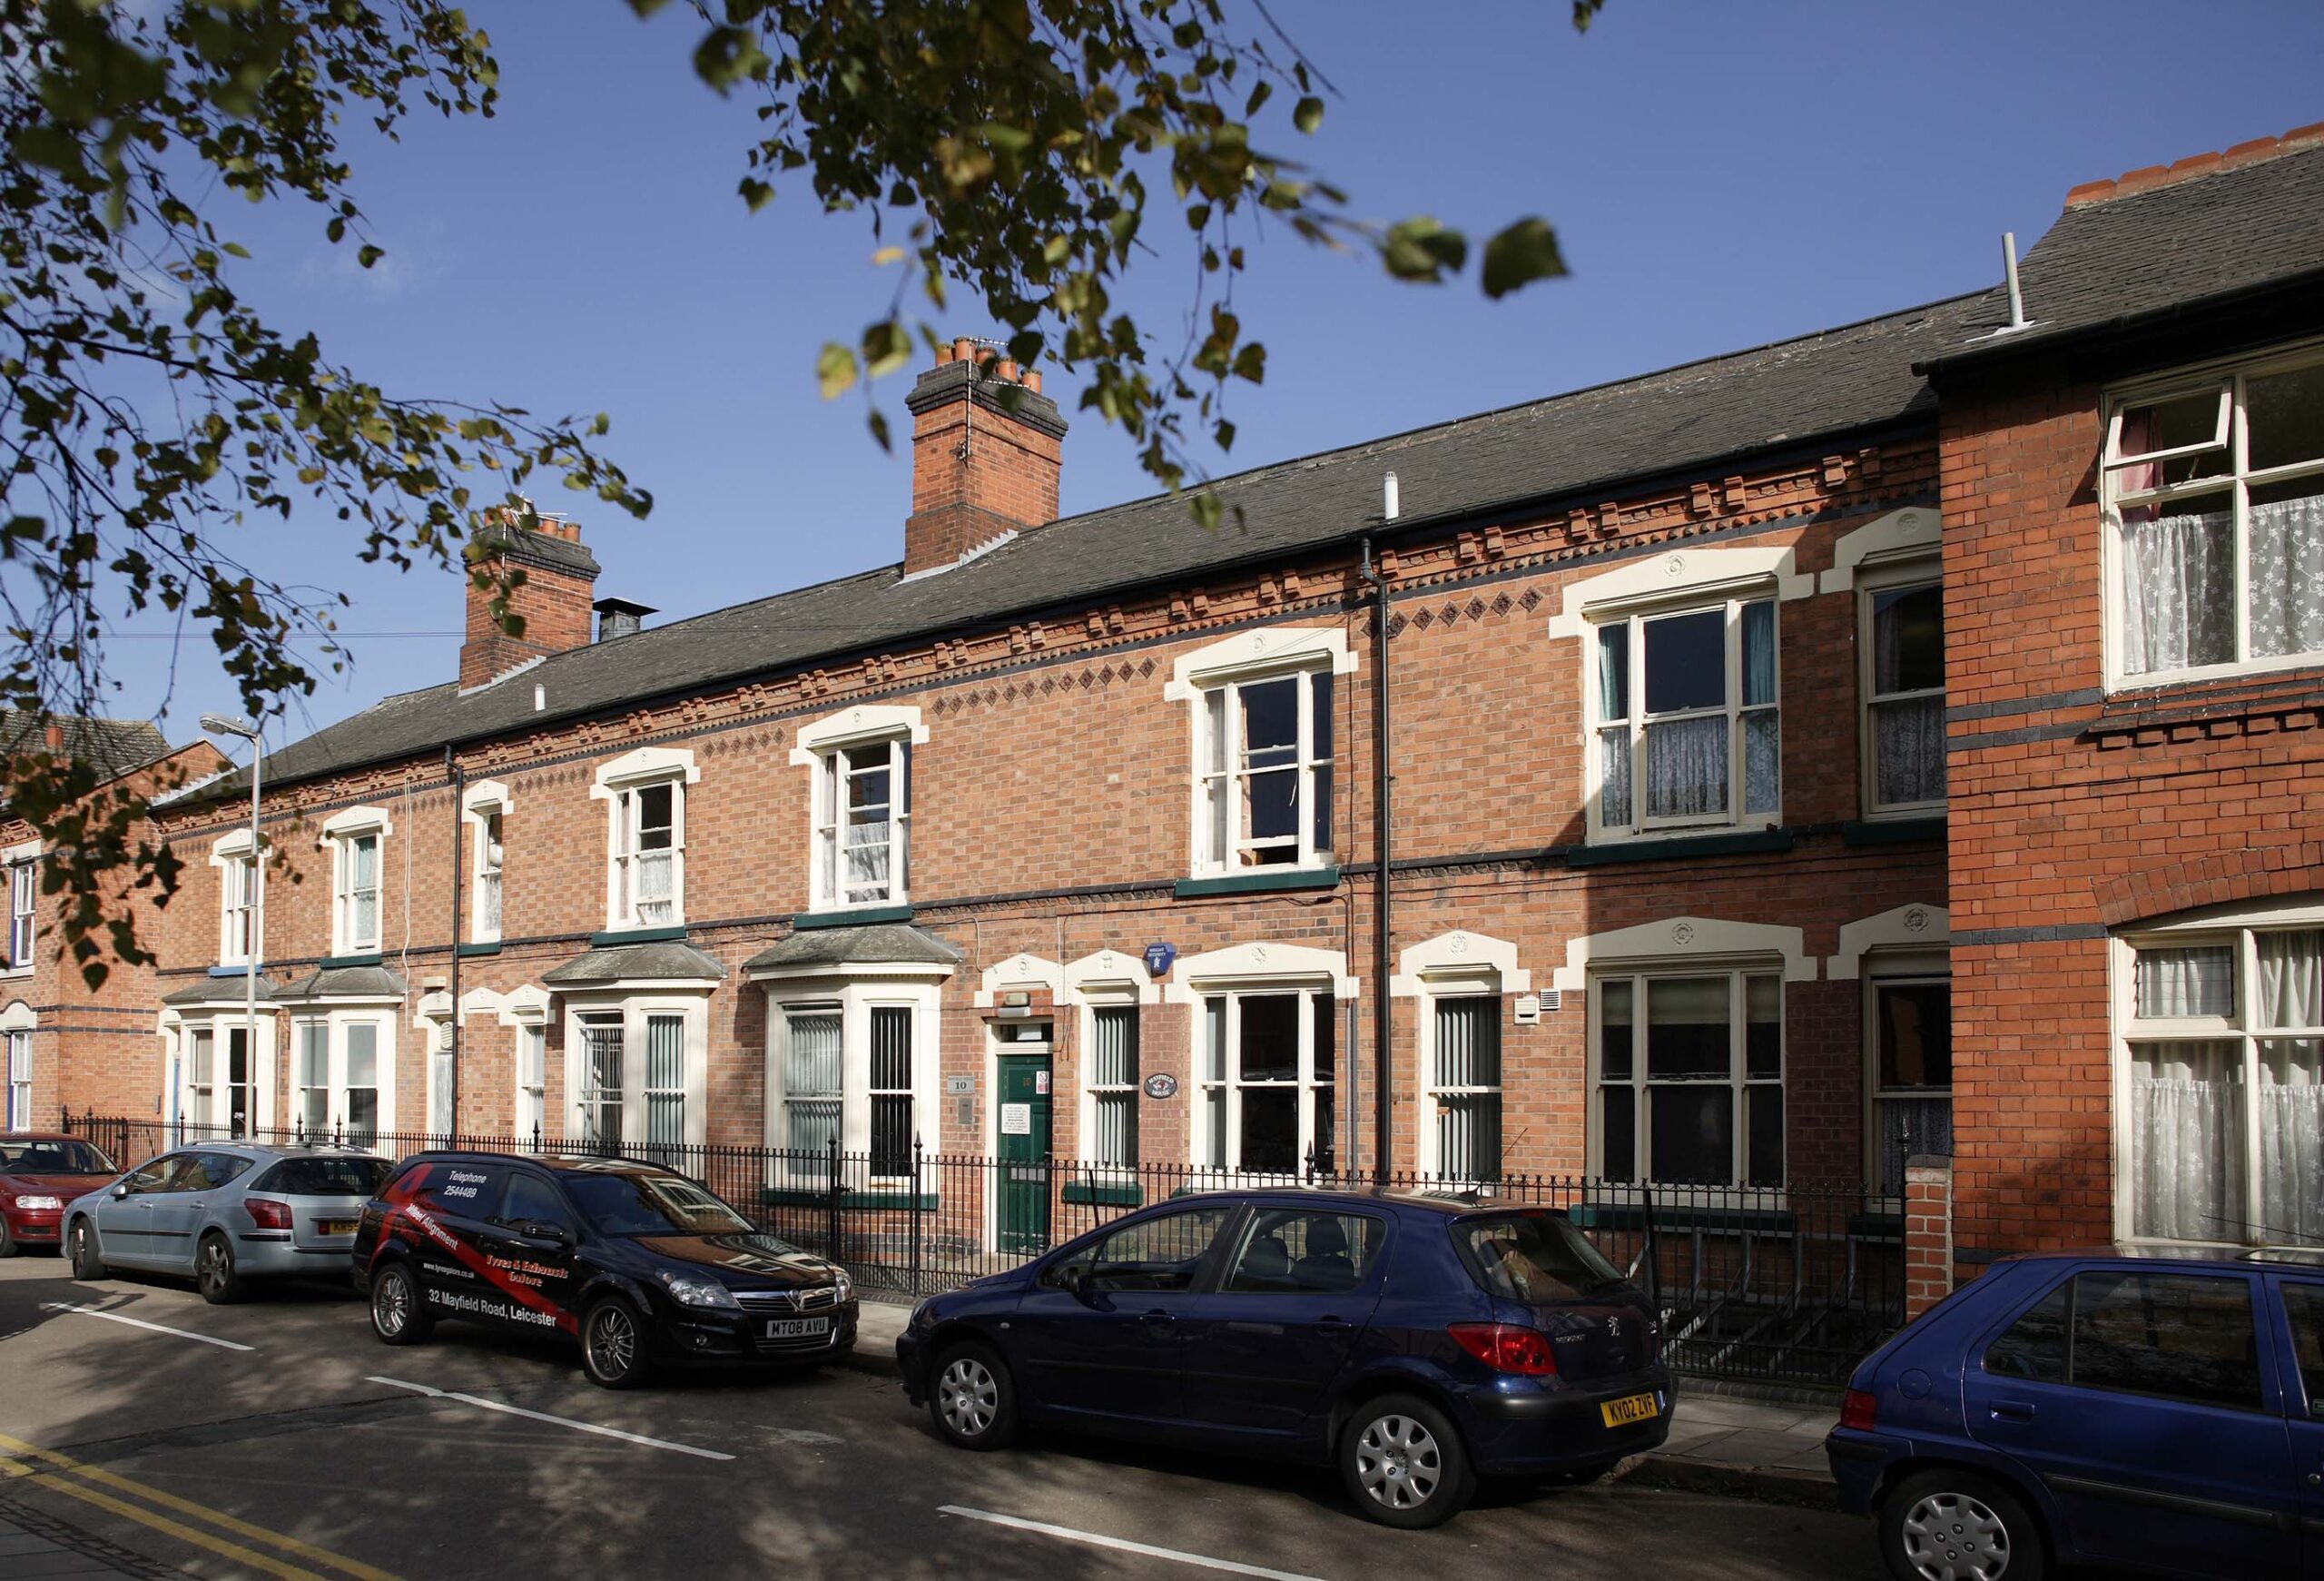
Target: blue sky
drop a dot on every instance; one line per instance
(1720, 175)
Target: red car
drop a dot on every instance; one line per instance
(39, 1173)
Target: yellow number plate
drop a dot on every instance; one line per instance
(1637, 1407)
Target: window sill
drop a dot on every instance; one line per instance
(613, 938)
(1260, 882)
(1631, 1216)
(820, 1197)
(1103, 1193)
(2187, 710)
(1892, 831)
(335, 962)
(858, 917)
(1749, 843)
(480, 947)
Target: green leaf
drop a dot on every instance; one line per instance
(369, 253)
(756, 195)
(1308, 114)
(1420, 248)
(1251, 363)
(834, 369)
(1524, 252)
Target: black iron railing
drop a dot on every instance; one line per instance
(1789, 1284)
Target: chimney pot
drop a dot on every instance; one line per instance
(1006, 369)
(1033, 379)
(963, 349)
(56, 737)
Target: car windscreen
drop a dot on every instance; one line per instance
(325, 1177)
(1533, 1257)
(643, 1203)
(39, 1156)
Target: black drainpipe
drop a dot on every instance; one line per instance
(1384, 1064)
(460, 778)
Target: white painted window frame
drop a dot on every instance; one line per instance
(2230, 377)
(855, 995)
(823, 746)
(17, 1024)
(617, 783)
(484, 807)
(343, 832)
(220, 1021)
(241, 876)
(1738, 1082)
(1901, 970)
(1221, 669)
(1870, 583)
(2235, 925)
(335, 1023)
(1457, 965)
(633, 1008)
(24, 910)
(1309, 1092)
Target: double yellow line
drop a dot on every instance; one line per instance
(46, 1468)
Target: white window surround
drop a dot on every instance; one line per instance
(14, 859)
(636, 1005)
(221, 1020)
(1679, 576)
(1894, 575)
(18, 1081)
(1455, 965)
(1911, 535)
(1262, 655)
(854, 991)
(1914, 927)
(1679, 941)
(873, 738)
(240, 884)
(1257, 965)
(1109, 977)
(2233, 925)
(865, 722)
(642, 768)
(479, 803)
(2229, 377)
(526, 1011)
(1022, 973)
(340, 832)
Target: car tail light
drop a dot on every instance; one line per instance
(267, 1213)
(1860, 1410)
(1508, 1348)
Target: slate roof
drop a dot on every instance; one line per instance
(113, 746)
(218, 991)
(880, 944)
(1778, 396)
(2119, 259)
(631, 963)
(347, 983)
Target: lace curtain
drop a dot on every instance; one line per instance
(2187, 1118)
(1686, 768)
(2291, 1140)
(2179, 585)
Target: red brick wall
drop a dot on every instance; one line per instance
(554, 605)
(1008, 479)
(2073, 813)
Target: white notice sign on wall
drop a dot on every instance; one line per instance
(1016, 1120)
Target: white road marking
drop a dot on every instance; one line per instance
(1123, 1544)
(141, 1323)
(470, 1399)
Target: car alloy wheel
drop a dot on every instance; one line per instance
(213, 1271)
(396, 1314)
(612, 1347)
(1950, 1535)
(969, 1395)
(85, 1263)
(1400, 1462)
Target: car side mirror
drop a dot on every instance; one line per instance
(120, 1192)
(1082, 1280)
(555, 1234)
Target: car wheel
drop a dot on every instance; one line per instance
(613, 1344)
(213, 1271)
(1402, 1463)
(1956, 1525)
(974, 1402)
(398, 1316)
(80, 1246)
(8, 1247)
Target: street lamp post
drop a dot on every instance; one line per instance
(227, 725)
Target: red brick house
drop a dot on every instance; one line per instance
(1721, 763)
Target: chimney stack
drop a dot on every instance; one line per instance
(620, 617)
(554, 603)
(987, 447)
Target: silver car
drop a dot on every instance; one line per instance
(226, 1213)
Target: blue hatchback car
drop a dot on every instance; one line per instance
(2151, 1412)
(1414, 1342)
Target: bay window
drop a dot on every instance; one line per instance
(2223, 1082)
(343, 1076)
(1266, 1081)
(862, 823)
(1686, 724)
(2213, 493)
(1902, 637)
(20, 1080)
(597, 1095)
(813, 1080)
(849, 1061)
(636, 1074)
(1686, 1067)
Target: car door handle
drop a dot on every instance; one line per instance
(1158, 1316)
(2013, 1411)
(1333, 1325)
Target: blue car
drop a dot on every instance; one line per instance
(2152, 1412)
(1416, 1343)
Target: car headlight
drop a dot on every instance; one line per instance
(40, 1204)
(698, 1292)
(845, 1286)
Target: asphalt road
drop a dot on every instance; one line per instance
(292, 1456)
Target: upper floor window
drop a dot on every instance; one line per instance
(645, 847)
(23, 902)
(862, 823)
(237, 881)
(356, 837)
(482, 808)
(2214, 501)
(2223, 1044)
(1902, 639)
(1264, 741)
(1687, 727)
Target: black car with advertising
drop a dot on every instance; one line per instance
(636, 1262)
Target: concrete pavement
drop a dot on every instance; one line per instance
(1721, 1444)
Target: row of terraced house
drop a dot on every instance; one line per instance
(1896, 744)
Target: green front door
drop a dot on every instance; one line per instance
(1024, 1125)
